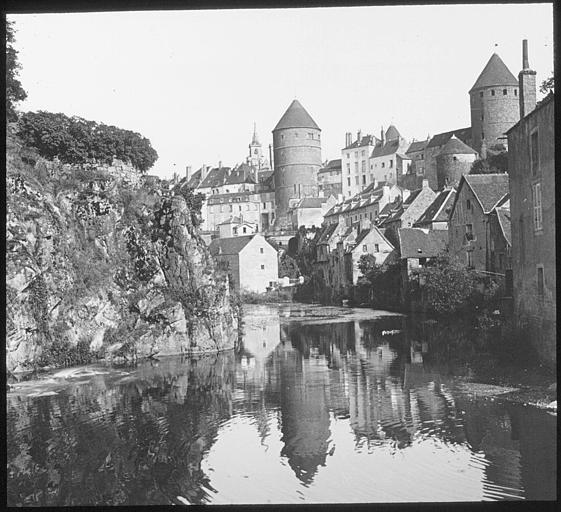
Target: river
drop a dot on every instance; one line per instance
(318, 405)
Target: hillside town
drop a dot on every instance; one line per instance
(482, 196)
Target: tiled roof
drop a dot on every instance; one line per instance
(231, 245)
(362, 235)
(310, 202)
(332, 165)
(326, 233)
(296, 116)
(503, 216)
(440, 139)
(366, 140)
(495, 72)
(436, 212)
(417, 146)
(389, 148)
(236, 220)
(419, 243)
(392, 133)
(488, 188)
(455, 146)
(236, 197)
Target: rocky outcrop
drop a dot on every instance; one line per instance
(97, 266)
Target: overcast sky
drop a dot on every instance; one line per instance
(194, 82)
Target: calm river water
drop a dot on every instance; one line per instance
(312, 408)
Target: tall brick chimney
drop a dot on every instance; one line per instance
(348, 139)
(526, 84)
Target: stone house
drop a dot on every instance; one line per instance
(388, 160)
(500, 240)
(468, 229)
(408, 212)
(531, 144)
(355, 174)
(250, 260)
(418, 247)
(369, 240)
(330, 179)
(309, 211)
(436, 215)
(236, 226)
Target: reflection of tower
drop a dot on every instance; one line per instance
(305, 413)
(297, 157)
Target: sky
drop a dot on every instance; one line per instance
(194, 82)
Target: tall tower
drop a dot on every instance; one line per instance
(297, 157)
(255, 152)
(526, 83)
(494, 105)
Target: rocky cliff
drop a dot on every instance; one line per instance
(101, 266)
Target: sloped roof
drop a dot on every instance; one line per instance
(488, 188)
(332, 165)
(392, 133)
(389, 148)
(417, 146)
(440, 139)
(236, 220)
(362, 235)
(310, 202)
(495, 72)
(436, 212)
(503, 216)
(419, 243)
(366, 140)
(296, 116)
(230, 245)
(326, 233)
(455, 146)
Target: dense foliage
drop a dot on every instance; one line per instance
(384, 282)
(495, 162)
(14, 90)
(75, 140)
(548, 85)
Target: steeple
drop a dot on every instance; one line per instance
(255, 139)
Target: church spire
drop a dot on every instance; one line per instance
(255, 139)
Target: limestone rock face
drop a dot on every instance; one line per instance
(103, 267)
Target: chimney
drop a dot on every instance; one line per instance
(220, 164)
(271, 157)
(358, 135)
(348, 139)
(526, 84)
(204, 172)
(382, 134)
(188, 172)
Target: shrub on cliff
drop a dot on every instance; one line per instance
(77, 141)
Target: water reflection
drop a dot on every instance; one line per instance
(320, 412)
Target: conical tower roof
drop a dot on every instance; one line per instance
(455, 146)
(494, 73)
(296, 116)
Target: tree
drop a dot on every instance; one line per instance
(76, 141)
(495, 162)
(548, 85)
(14, 90)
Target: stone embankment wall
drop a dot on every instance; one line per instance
(99, 265)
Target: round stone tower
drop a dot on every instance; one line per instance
(453, 161)
(494, 105)
(297, 160)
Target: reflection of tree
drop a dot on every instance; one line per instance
(141, 443)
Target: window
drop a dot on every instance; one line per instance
(468, 204)
(348, 155)
(364, 179)
(383, 165)
(261, 250)
(231, 208)
(262, 267)
(515, 92)
(492, 92)
(348, 168)
(235, 231)
(540, 282)
(534, 152)
(356, 166)
(356, 180)
(363, 166)
(505, 92)
(264, 206)
(482, 135)
(349, 182)
(240, 207)
(371, 167)
(537, 205)
(454, 158)
(245, 230)
(295, 188)
(391, 164)
(481, 94)
(376, 248)
(469, 232)
(469, 259)
(356, 154)
(363, 152)
(364, 248)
